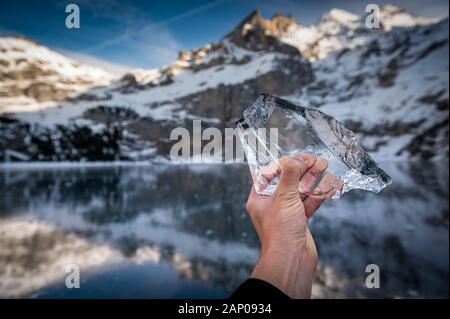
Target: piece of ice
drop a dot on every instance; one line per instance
(273, 127)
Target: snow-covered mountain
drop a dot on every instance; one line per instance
(32, 73)
(389, 85)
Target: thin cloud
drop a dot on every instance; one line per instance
(150, 50)
(152, 26)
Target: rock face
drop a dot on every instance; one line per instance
(227, 102)
(257, 34)
(389, 85)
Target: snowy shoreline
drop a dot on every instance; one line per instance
(62, 165)
(67, 164)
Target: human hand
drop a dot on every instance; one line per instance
(288, 253)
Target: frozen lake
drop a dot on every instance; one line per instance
(182, 231)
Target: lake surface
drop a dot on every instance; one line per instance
(165, 231)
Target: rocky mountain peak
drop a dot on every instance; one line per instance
(258, 34)
(280, 23)
(254, 33)
(254, 18)
(276, 26)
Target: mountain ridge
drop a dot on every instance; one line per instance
(388, 85)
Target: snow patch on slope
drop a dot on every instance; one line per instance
(20, 52)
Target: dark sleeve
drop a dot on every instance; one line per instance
(259, 289)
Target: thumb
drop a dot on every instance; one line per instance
(292, 169)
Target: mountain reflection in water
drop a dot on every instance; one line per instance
(182, 231)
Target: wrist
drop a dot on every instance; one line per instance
(283, 247)
(281, 266)
(283, 269)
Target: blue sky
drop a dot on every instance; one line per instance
(120, 34)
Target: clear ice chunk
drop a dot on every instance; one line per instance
(273, 127)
